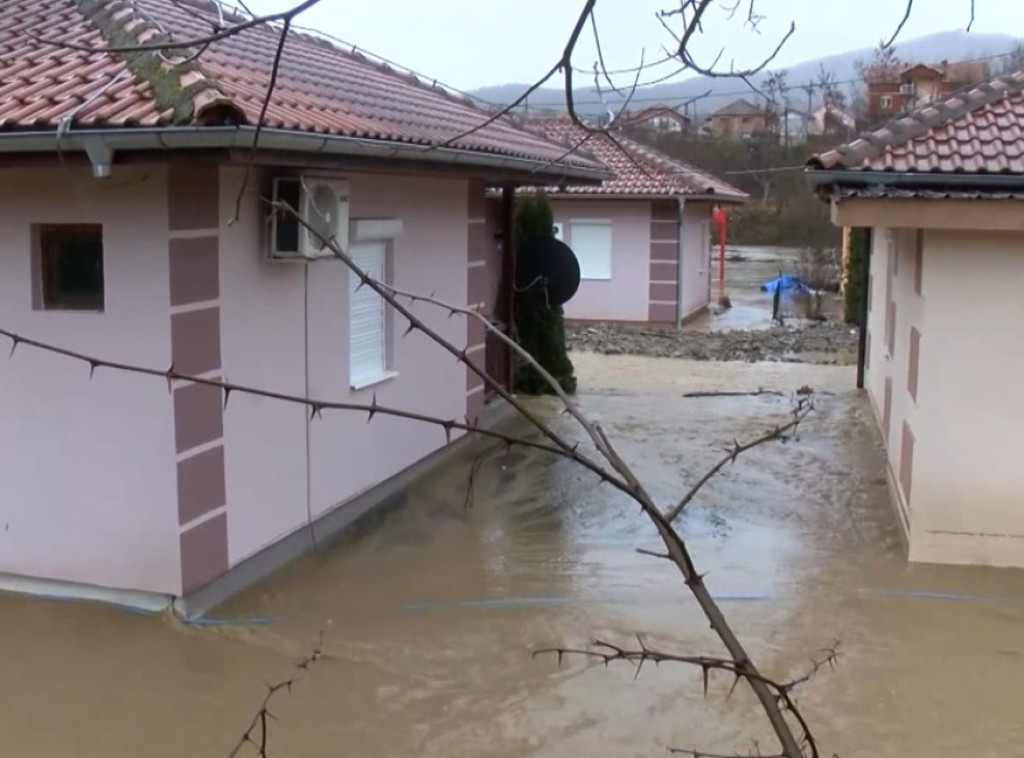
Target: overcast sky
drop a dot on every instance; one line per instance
(472, 43)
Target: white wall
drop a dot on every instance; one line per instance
(965, 504)
(264, 325)
(969, 481)
(88, 467)
(626, 295)
(696, 263)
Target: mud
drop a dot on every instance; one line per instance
(430, 615)
(828, 343)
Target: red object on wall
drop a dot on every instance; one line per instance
(718, 216)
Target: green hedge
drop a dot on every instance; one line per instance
(540, 327)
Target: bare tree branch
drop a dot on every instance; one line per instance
(316, 406)
(608, 653)
(804, 407)
(903, 22)
(256, 733)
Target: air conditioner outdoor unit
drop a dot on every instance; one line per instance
(906, 89)
(322, 204)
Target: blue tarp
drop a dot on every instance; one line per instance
(786, 283)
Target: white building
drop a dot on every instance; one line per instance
(942, 191)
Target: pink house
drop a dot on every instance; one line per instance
(642, 236)
(119, 183)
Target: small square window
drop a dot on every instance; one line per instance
(68, 267)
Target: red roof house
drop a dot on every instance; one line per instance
(136, 229)
(642, 236)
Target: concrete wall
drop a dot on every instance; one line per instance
(88, 467)
(952, 450)
(696, 258)
(624, 297)
(285, 327)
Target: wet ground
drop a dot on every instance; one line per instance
(743, 332)
(430, 616)
(827, 342)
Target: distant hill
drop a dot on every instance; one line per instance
(952, 46)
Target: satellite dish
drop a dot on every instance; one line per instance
(545, 264)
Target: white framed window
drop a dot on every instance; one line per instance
(368, 322)
(591, 241)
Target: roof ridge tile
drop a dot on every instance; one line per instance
(177, 81)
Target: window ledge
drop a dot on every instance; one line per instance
(371, 381)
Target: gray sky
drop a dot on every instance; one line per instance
(471, 43)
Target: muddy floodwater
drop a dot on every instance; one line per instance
(747, 267)
(429, 615)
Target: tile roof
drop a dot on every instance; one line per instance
(636, 168)
(741, 107)
(979, 130)
(321, 88)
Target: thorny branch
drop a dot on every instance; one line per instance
(674, 542)
(608, 653)
(803, 408)
(316, 406)
(256, 733)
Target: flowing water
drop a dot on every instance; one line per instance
(747, 267)
(429, 615)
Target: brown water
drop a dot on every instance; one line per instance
(430, 616)
(752, 308)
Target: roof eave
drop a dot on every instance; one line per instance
(532, 170)
(822, 180)
(599, 195)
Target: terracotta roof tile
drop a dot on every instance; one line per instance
(34, 73)
(975, 131)
(321, 87)
(637, 169)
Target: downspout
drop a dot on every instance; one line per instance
(680, 229)
(865, 279)
(507, 283)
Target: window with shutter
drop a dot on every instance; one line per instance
(591, 241)
(367, 336)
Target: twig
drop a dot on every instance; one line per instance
(724, 393)
(315, 406)
(903, 22)
(473, 470)
(274, 72)
(804, 407)
(256, 733)
(608, 653)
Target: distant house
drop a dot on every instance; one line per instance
(642, 237)
(120, 181)
(741, 118)
(659, 118)
(941, 191)
(893, 89)
(829, 119)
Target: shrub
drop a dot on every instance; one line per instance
(540, 326)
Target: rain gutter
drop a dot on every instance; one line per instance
(820, 177)
(104, 142)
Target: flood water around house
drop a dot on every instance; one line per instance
(747, 267)
(430, 615)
